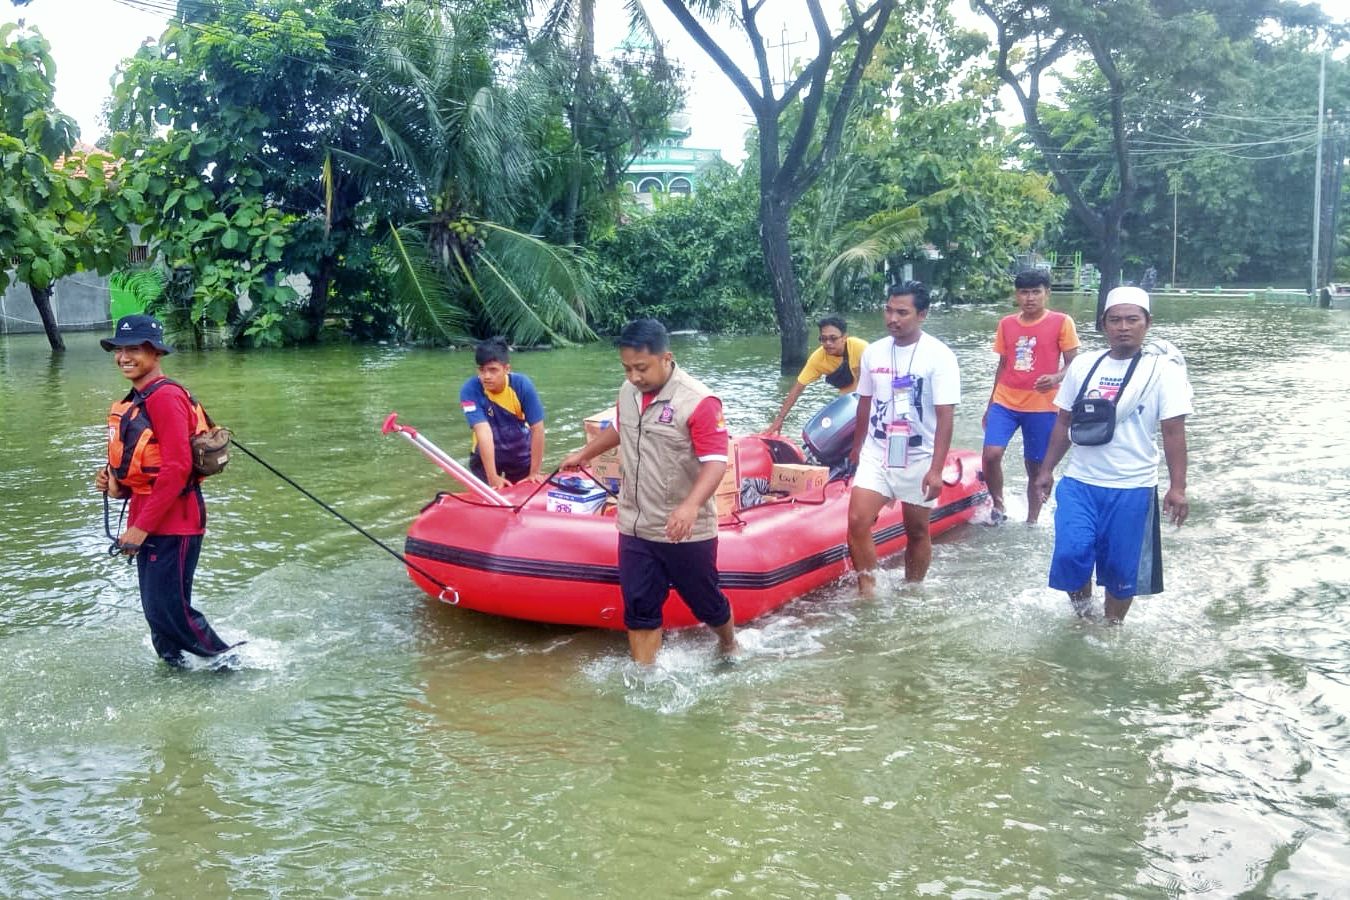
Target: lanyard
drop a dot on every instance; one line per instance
(909, 370)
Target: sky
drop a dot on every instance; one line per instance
(88, 46)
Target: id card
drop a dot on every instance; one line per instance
(897, 445)
(900, 388)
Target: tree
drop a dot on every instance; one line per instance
(924, 174)
(1237, 162)
(256, 99)
(56, 218)
(692, 262)
(458, 160)
(613, 107)
(1126, 43)
(789, 163)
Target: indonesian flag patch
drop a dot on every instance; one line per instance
(468, 406)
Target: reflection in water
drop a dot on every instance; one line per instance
(969, 735)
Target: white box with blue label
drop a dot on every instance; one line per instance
(581, 504)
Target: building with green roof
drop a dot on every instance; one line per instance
(669, 167)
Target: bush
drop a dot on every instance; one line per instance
(692, 262)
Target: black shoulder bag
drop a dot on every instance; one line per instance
(842, 376)
(1093, 419)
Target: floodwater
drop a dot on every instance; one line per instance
(966, 738)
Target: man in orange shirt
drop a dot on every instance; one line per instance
(1034, 347)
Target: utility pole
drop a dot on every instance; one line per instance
(783, 44)
(1176, 185)
(1317, 180)
(1336, 135)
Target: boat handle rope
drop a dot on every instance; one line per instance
(517, 507)
(357, 528)
(537, 488)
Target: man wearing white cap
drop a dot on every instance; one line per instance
(1110, 406)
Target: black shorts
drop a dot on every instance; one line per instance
(649, 569)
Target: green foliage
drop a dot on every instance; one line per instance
(924, 171)
(60, 212)
(1205, 99)
(218, 228)
(1238, 155)
(228, 123)
(692, 262)
(132, 290)
(463, 150)
(922, 164)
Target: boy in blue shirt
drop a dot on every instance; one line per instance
(506, 417)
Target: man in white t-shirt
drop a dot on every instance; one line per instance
(1107, 517)
(908, 388)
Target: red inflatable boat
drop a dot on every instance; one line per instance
(504, 554)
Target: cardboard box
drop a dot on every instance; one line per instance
(727, 502)
(798, 479)
(607, 470)
(597, 423)
(729, 483)
(606, 465)
(585, 504)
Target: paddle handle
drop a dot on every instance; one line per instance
(452, 466)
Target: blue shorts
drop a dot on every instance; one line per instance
(1036, 429)
(649, 569)
(1116, 530)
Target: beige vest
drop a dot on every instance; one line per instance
(659, 465)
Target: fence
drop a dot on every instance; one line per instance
(79, 303)
(1261, 295)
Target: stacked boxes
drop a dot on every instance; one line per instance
(604, 467)
(607, 471)
(798, 479)
(728, 493)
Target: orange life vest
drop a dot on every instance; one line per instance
(133, 450)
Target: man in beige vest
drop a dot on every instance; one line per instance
(672, 444)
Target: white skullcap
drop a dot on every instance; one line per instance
(1126, 294)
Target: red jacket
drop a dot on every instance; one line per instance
(166, 509)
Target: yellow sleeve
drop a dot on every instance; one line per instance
(816, 367)
(856, 346)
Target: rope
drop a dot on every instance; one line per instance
(534, 493)
(357, 528)
(11, 318)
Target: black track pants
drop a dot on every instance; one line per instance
(166, 563)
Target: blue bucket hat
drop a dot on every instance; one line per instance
(132, 331)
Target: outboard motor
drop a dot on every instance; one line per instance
(829, 434)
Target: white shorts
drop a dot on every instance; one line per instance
(905, 485)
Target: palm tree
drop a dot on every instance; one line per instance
(868, 243)
(572, 22)
(458, 157)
